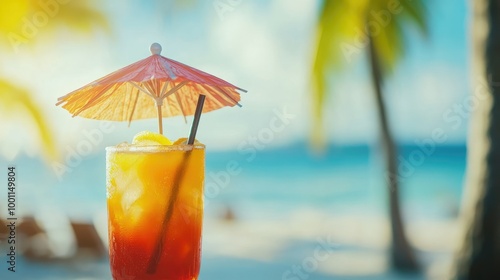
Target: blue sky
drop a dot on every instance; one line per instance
(262, 46)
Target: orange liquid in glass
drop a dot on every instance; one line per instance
(139, 185)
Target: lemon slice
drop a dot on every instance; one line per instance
(146, 138)
(183, 141)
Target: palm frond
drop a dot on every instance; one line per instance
(28, 21)
(337, 25)
(12, 14)
(81, 16)
(389, 46)
(416, 12)
(15, 100)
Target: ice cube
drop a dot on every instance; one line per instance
(123, 181)
(134, 213)
(131, 195)
(123, 145)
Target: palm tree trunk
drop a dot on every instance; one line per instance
(402, 256)
(479, 257)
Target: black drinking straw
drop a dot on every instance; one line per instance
(155, 258)
(196, 121)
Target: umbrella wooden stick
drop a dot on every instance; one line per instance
(160, 119)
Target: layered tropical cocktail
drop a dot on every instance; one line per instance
(155, 208)
(154, 187)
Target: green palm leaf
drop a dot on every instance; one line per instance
(14, 100)
(81, 16)
(340, 16)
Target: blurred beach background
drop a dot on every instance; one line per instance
(281, 201)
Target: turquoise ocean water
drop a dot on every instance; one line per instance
(270, 183)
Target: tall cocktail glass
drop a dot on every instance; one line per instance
(140, 186)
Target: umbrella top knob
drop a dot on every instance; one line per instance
(155, 48)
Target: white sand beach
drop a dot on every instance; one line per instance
(306, 245)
